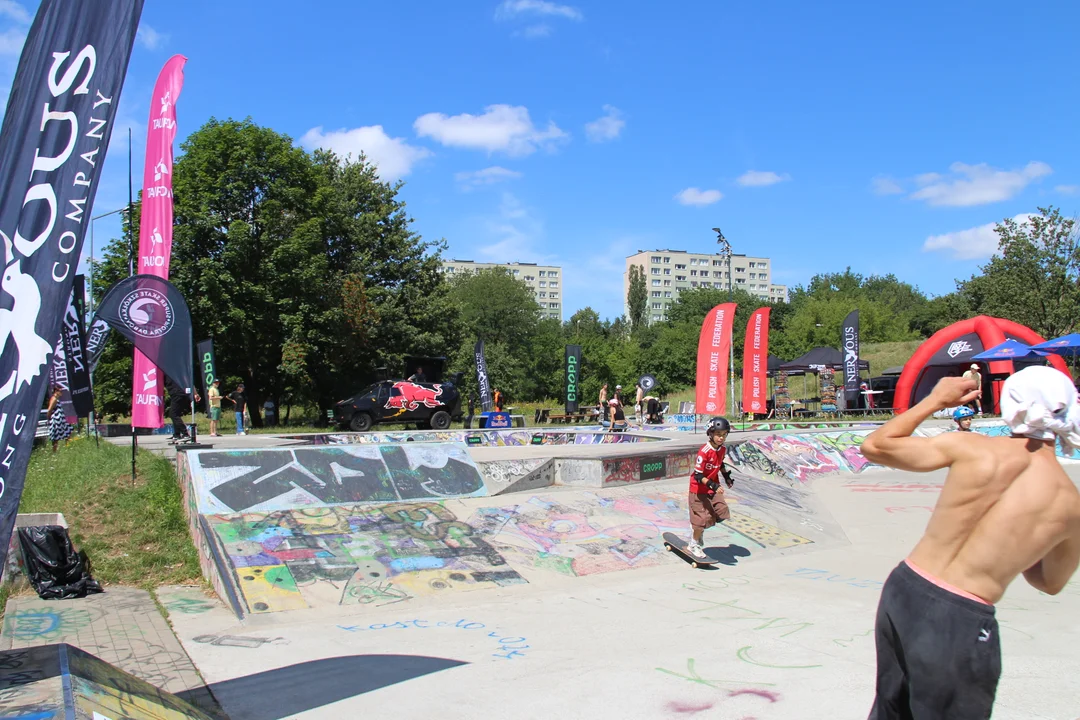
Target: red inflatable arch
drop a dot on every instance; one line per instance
(949, 352)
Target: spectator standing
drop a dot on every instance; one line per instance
(213, 396)
(239, 401)
(974, 374)
(179, 403)
(603, 402)
(497, 398)
(59, 429)
(418, 376)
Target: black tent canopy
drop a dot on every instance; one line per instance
(820, 357)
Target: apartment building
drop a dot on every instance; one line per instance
(668, 272)
(544, 280)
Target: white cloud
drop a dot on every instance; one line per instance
(150, 38)
(393, 156)
(971, 244)
(980, 184)
(694, 196)
(883, 185)
(12, 41)
(758, 178)
(1068, 189)
(537, 31)
(487, 176)
(15, 11)
(516, 8)
(607, 127)
(502, 128)
(515, 231)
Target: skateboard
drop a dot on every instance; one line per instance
(677, 545)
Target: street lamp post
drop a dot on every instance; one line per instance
(725, 250)
(91, 284)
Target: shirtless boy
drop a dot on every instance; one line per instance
(1006, 508)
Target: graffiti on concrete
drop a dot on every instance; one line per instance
(803, 457)
(355, 554)
(482, 438)
(509, 646)
(240, 641)
(595, 534)
(281, 478)
(518, 475)
(626, 470)
(41, 625)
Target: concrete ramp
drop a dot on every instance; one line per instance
(304, 527)
(62, 681)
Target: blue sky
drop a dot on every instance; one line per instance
(887, 138)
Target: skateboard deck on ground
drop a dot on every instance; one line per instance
(676, 544)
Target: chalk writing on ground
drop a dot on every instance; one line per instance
(510, 646)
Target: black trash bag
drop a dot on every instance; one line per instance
(55, 570)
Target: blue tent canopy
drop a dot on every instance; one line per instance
(1064, 345)
(1009, 350)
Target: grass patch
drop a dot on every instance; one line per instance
(134, 533)
(886, 355)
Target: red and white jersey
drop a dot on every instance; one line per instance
(709, 462)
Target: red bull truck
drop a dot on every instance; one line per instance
(428, 405)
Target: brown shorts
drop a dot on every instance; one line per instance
(707, 510)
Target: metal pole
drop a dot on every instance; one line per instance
(93, 415)
(731, 365)
(131, 202)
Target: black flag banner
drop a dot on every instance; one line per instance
(573, 377)
(151, 313)
(95, 341)
(207, 368)
(849, 341)
(56, 131)
(487, 403)
(78, 373)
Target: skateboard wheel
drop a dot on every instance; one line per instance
(694, 565)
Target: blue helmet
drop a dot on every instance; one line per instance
(962, 413)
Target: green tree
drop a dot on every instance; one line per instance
(502, 310)
(637, 297)
(1034, 278)
(302, 267)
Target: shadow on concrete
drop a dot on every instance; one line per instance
(286, 691)
(727, 555)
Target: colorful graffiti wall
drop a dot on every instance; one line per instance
(802, 457)
(358, 554)
(480, 438)
(281, 478)
(592, 534)
(642, 468)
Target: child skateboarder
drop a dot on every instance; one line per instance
(707, 504)
(963, 416)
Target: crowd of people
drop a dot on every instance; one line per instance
(612, 411)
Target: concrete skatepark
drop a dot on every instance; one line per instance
(523, 575)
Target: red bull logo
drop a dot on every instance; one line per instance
(409, 396)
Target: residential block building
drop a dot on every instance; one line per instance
(544, 280)
(668, 272)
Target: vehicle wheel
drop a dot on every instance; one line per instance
(360, 422)
(440, 420)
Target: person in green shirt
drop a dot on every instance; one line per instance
(214, 395)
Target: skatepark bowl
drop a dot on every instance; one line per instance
(428, 574)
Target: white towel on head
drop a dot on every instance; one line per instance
(1042, 403)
